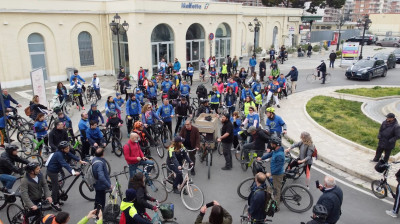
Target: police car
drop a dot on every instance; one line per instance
(367, 69)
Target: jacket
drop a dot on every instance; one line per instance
(282, 82)
(83, 125)
(185, 90)
(256, 87)
(173, 93)
(66, 120)
(152, 91)
(257, 204)
(201, 91)
(332, 200)
(215, 96)
(2, 122)
(332, 56)
(95, 83)
(133, 107)
(306, 151)
(247, 106)
(388, 134)
(131, 215)
(140, 97)
(275, 72)
(220, 86)
(322, 67)
(112, 107)
(260, 138)
(36, 108)
(165, 112)
(277, 161)
(236, 126)
(94, 135)
(227, 218)
(246, 93)
(78, 77)
(7, 163)
(276, 124)
(94, 115)
(194, 136)
(7, 101)
(56, 136)
(132, 151)
(252, 62)
(176, 158)
(230, 99)
(183, 109)
(224, 69)
(141, 199)
(233, 85)
(150, 119)
(32, 191)
(293, 74)
(120, 101)
(40, 128)
(57, 162)
(177, 66)
(100, 174)
(203, 109)
(76, 88)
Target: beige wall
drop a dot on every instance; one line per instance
(381, 23)
(60, 22)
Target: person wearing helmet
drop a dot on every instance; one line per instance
(55, 163)
(258, 140)
(275, 124)
(33, 188)
(277, 155)
(204, 107)
(322, 69)
(320, 213)
(7, 167)
(77, 77)
(144, 135)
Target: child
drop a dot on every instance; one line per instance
(94, 114)
(41, 128)
(215, 97)
(118, 100)
(213, 75)
(114, 122)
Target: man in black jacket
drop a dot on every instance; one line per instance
(257, 200)
(57, 135)
(182, 109)
(7, 167)
(322, 69)
(332, 199)
(388, 135)
(263, 68)
(294, 74)
(309, 49)
(332, 58)
(260, 138)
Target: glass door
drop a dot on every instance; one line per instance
(161, 50)
(194, 52)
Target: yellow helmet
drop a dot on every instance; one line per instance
(271, 109)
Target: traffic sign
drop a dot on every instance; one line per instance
(211, 36)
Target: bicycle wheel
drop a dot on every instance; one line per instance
(311, 78)
(192, 197)
(166, 137)
(159, 148)
(297, 198)
(245, 215)
(237, 155)
(289, 90)
(219, 148)
(27, 145)
(156, 190)
(85, 191)
(3, 200)
(15, 214)
(378, 189)
(244, 166)
(36, 159)
(244, 188)
(67, 108)
(209, 158)
(117, 147)
(156, 169)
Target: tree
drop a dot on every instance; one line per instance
(337, 4)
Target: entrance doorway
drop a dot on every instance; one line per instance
(222, 43)
(195, 45)
(162, 46)
(37, 53)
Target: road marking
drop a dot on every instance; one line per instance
(353, 187)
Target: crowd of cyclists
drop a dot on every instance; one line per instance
(242, 96)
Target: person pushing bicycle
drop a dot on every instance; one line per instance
(7, 167)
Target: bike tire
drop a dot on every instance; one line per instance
(192, 197)
(310, 78)
(292, 192)
(35, 158)
(157, 190)
(378, 190)
(117, 147)
(160, 149)
(237, 155)
(166, 137)
(209, 161)
(155, 172)
(85, 192)
(244, 188)
(3, 201)
(219, 148)
(245, 215)
(289, 91)
(244, 166)
(15, 214)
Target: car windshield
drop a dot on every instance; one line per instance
(381, 56)
(365, 63)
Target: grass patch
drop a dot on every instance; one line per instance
(374, 92)
(345, 118)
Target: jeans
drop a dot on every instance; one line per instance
(248, 147)
(379, 152)
(7, 180)
(97, 91)
(54, 186)
(226, 148)
(100, 199)
(331, 63)
(134, 167)
(179, 176)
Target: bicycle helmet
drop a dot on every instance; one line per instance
(11, 148)
(320, 212)
(381, 166)
(31, 166)
(271, 109)
(204, 101)
(276, 140)
(63, 145)
(138, 125)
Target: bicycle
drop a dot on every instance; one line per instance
(206, 151)
(31, 146)
(162, 133)
(314, 77)
(8, 199)
(91, 95)
(288, 87)
(204, 78)
(291, 195)
(297, 170)
(110, 135)
(381, 187)
(242, 140)
(155, 171)
(246, 219)
(182, 122)
(17, 214)
(157, 220)
(191, 195)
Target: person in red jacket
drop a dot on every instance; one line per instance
(134, 155)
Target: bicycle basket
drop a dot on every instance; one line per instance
(381, 166)
(111, 212)
(167, 210)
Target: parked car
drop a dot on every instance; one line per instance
(367, 39)
(397, 54)
(389, 58)
(389, 42)
(367, 69)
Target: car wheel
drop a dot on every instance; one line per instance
(394, 65)
(395, 45)
(379, 44)
(384, 73)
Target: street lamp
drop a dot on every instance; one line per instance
(254, 28)
(118, 29)
(340, 23)
(365, 23)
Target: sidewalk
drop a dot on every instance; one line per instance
(332, 149)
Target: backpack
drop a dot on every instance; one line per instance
(315, 153)
(28, 111)
(270, 206)
(89, 177)
(201, 90)
(124, 213)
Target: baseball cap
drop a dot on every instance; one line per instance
(390, 115)
(179, 139)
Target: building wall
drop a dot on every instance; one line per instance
(60, 22)
(382, 23)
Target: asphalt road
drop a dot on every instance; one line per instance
(358, 207)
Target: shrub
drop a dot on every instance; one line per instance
(316, 48)
(272, 46)
(326, 47)
(292, 50)
(339, 53)
(258, 50)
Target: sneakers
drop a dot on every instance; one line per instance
(391, 213)
(56, 207)
(77, 107)
(7, 191)
(278, 106)
(176, 191)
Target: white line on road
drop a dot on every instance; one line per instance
(353, 187)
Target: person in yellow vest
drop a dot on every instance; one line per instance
(247, 104)
(60, 218)
(224, 72)
(259, 97)
(129, 213)
(92, 215)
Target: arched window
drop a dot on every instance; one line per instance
(85, 48)
(195, 45)
(222, 42)
(37, 52)
(162, 45)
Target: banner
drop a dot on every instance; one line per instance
(350, 50)
(38, 86)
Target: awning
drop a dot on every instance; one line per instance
(310, 18)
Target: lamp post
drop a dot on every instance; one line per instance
(340, 23)
(254, 28)
(118, 29)
(365, 24)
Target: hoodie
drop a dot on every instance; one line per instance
(293, 74)
(40, 128)
(277, 160)
(133, 107)
(94, 135)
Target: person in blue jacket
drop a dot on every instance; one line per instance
(165, 86)
(41, 128)
(3, 136)
(177, 65)
(55, 163)
(95, 115)
(252, 63)
(94, 135)
(277, 155)
(236, 121)
(140, 96)
(294, 74)
(282, 84)
(100, 174)
(78, 77)
(275, 123)
(149, 118)
(185, 90)
(133, 110)
(257, 200)
(118, 99)
(256, 87)
(166, 112)
(112, 106)
(214, 99)
(7, 102)
(83, 125)
(246, 92)
(67, 122)
(190, 70)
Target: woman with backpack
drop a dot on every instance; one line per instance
(36, 107)
(307, 149)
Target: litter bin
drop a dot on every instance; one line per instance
(70, 71)
(329, 43)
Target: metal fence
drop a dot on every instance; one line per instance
(317, 36)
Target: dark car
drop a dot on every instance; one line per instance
(389, 58)
(367, 69)
(397, 54)
(367, 39)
